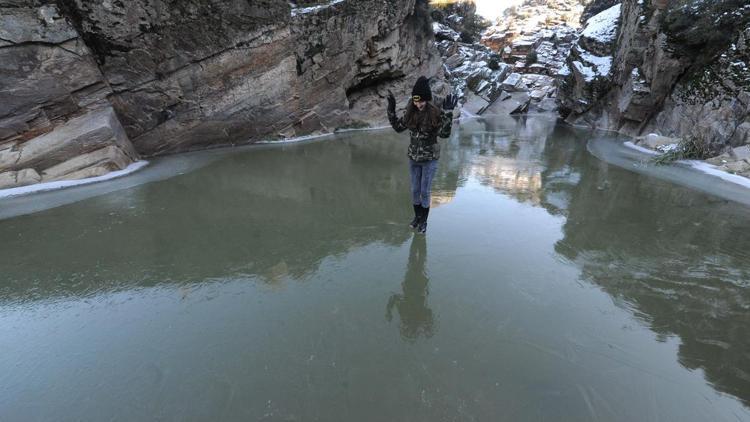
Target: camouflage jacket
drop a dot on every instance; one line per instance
(424, 144)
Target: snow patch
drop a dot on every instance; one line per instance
(630, 144)
(602, 64)
(603, 27)
(41, 187)
(295, 139)
(592, 66)
(313, 9)
(667, 148)
(715, 171)
(700, 166)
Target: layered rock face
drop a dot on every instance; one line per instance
(678, 69)
(149, 77)
(55, 120)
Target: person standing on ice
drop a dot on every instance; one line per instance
(425, 122)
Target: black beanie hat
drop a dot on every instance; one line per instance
(422, 88)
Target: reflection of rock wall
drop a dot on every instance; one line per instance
(670, 254)
(509, 161)
(192, 74)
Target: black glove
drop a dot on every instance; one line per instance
(449, 103)
(391, 103)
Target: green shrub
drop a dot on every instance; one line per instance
(691, 148)
(531, 57)
(493, 63)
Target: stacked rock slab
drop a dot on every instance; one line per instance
(53, 101)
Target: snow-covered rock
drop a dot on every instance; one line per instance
(600, 31)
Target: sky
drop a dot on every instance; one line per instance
(491, 9)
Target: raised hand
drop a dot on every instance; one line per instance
(449, 103)
(391, 102)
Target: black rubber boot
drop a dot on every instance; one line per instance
(417, 217)
(423, 222)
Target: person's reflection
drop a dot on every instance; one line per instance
(416, 317)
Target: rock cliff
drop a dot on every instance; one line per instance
(55, 119)
(677, 68)
(90, 86)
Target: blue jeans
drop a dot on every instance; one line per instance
(422, 174)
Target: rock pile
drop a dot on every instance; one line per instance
(513, 68)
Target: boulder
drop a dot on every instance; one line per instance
(454, 61)
(477, 77)
(741, 153)
(538, 94)
(512, 82)
(78, 136)
(475, 104)
(9, 155)
(93, 171)
(12, 179)
(737, 167)
(547, 105)
(111, 157)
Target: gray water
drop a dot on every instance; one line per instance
(560, 280)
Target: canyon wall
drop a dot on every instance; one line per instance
(677, 68)
(90, 86)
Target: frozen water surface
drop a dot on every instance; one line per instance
(559, 280)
